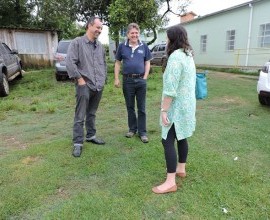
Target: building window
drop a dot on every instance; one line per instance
(264, 35)
(230, 40)
(203, 43)
(31, 43)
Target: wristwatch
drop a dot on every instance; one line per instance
(163, 110)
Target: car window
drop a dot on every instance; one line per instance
(266, 67)
(3, 49)
(63, 47)
(6, 48)
(161, 48)
(155, 48)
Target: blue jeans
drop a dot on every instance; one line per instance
(87, 102)
(135, 88)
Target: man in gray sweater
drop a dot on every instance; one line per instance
(86, 64)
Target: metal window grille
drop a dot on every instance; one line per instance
(203, 43)
(264, 35)
(230, 40)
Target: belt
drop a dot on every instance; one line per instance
(134, 75)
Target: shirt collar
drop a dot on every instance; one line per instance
(87, 41)
(140, 43)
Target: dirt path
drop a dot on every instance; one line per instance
(224, 75)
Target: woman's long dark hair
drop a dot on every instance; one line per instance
(177, 36)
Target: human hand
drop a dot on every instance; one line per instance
(81, 81)
(117, 83)
(164, 118)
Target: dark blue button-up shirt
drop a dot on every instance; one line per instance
(133, 60)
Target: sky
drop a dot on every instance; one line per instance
(203, 7)
(199, 7)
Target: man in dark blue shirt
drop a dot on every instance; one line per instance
(135, 57)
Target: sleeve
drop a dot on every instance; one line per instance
(172, 76)
(118, 55)
(105, 63)
(73, 59)
(148, 54)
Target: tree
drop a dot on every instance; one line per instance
(62, 14)
(46, 14)
(56, 14)
(116, 14)
(88, 8)
(143, 12)
(15, 13)
(122, 12)
(180, 10)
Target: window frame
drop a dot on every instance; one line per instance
(230, 40)
(203, 43)
(264, 35)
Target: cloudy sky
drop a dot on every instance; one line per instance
(203, 7)
(199, 7)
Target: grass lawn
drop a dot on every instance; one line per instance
(228, 163)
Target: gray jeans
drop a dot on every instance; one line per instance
(87, 102)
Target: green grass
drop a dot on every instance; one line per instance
(41, 180)
(243, 71)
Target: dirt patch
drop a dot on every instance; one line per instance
(232, 76)
(12, 142)
(30, 160)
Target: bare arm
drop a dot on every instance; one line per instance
(117, 67)
(147, 69)
(165, 105)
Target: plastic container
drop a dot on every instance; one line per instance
(201, 85)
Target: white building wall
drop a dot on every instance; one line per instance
(215, 27)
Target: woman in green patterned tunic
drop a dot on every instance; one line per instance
(178, 106)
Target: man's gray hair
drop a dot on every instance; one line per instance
(91, 21)
(133, 25)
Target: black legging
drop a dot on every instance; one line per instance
(170, 152)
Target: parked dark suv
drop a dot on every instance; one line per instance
(10, 67)
(60, 60)
(159, 55)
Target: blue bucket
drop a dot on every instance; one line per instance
(201, 85)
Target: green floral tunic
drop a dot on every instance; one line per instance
(179, 82)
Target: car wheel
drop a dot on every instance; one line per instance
(4, 87)
(20, 70)
(262, 99)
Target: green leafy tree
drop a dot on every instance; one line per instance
(88, 8)
(45, 14)
(123, 12)
(62, 14)
(56, 14)
(15, 13)
(143, 12)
